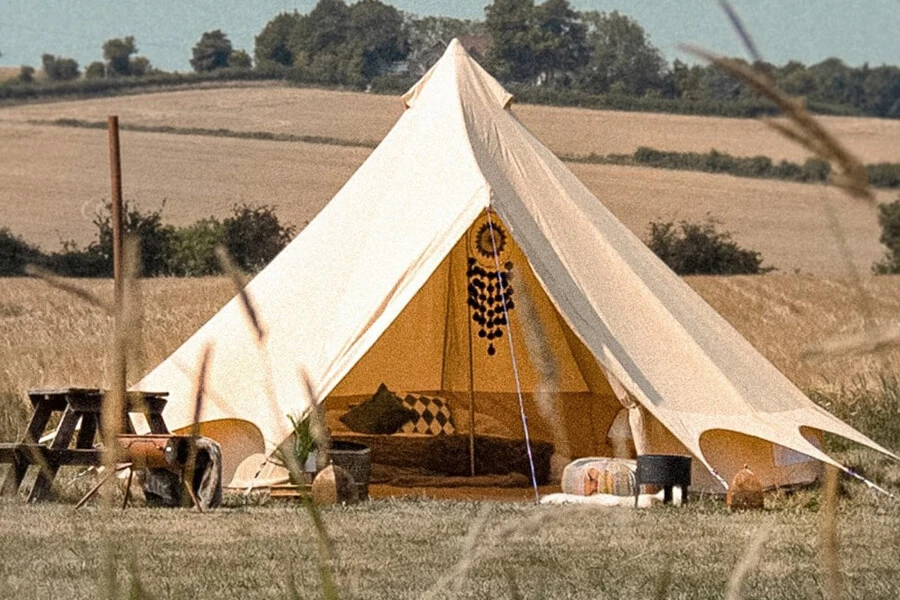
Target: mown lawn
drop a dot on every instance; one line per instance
(442, 549)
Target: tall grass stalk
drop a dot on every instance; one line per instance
(748, 562)
(454, 577)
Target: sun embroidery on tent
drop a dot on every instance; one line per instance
(490, 290)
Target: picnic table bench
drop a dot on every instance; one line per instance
(78, 406)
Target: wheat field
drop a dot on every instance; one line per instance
(52, 339)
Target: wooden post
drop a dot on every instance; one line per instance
(115, 171)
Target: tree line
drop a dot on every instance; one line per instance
(546, 52)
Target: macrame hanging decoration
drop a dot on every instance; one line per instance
(490, 290)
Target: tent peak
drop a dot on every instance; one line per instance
(457, 69)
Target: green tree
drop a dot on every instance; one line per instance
(427, 36)
(253, 236)
(319, 43)
(58, 68)
(26, 74)
(510, 23)
(794, 79)
(211, 52)
(376, 36)
(561, 41)
(95, 70)
(686, 80)
(239, 59)
(718, 85)
(326, 27)
(140, 66)
(621, 54)
(882, 92)
(272, 47)
(117, 53)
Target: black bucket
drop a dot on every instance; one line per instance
(665, 470)
(356, 459)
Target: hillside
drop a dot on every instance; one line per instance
(55, 177)
(368, 117)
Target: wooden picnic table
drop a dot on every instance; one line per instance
(78, 406)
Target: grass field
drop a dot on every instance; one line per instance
(55, 177)
(414, 549)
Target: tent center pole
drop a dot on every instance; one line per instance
(471, 370)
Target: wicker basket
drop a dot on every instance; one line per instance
(356, 458)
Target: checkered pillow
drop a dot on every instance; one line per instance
(433, 416)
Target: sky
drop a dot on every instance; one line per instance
(856, 31)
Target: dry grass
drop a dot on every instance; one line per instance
(401, 549)
(52, 339)
(368, 117)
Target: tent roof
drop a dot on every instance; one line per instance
(456, 151)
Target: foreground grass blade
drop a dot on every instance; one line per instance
(748, 561)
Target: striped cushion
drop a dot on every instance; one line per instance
(434, 416)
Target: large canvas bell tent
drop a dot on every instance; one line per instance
(464, 259)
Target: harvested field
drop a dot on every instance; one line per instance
(52, 339)
(55, 179)
(368, 117)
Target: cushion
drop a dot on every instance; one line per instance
(432, 416)
(383, 413)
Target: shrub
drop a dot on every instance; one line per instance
(15, 253)
(699, 249)
(72, 261)
(885, 175)
(26, 74)
(155, 237)
(816, 170)
(192, 251)
(253, 235)
(96, 259)
(889, 219)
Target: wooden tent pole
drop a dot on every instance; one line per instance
(115, 171)
(471, 365)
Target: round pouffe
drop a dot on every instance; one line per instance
(334, 485)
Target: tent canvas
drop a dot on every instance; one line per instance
(376, 289)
